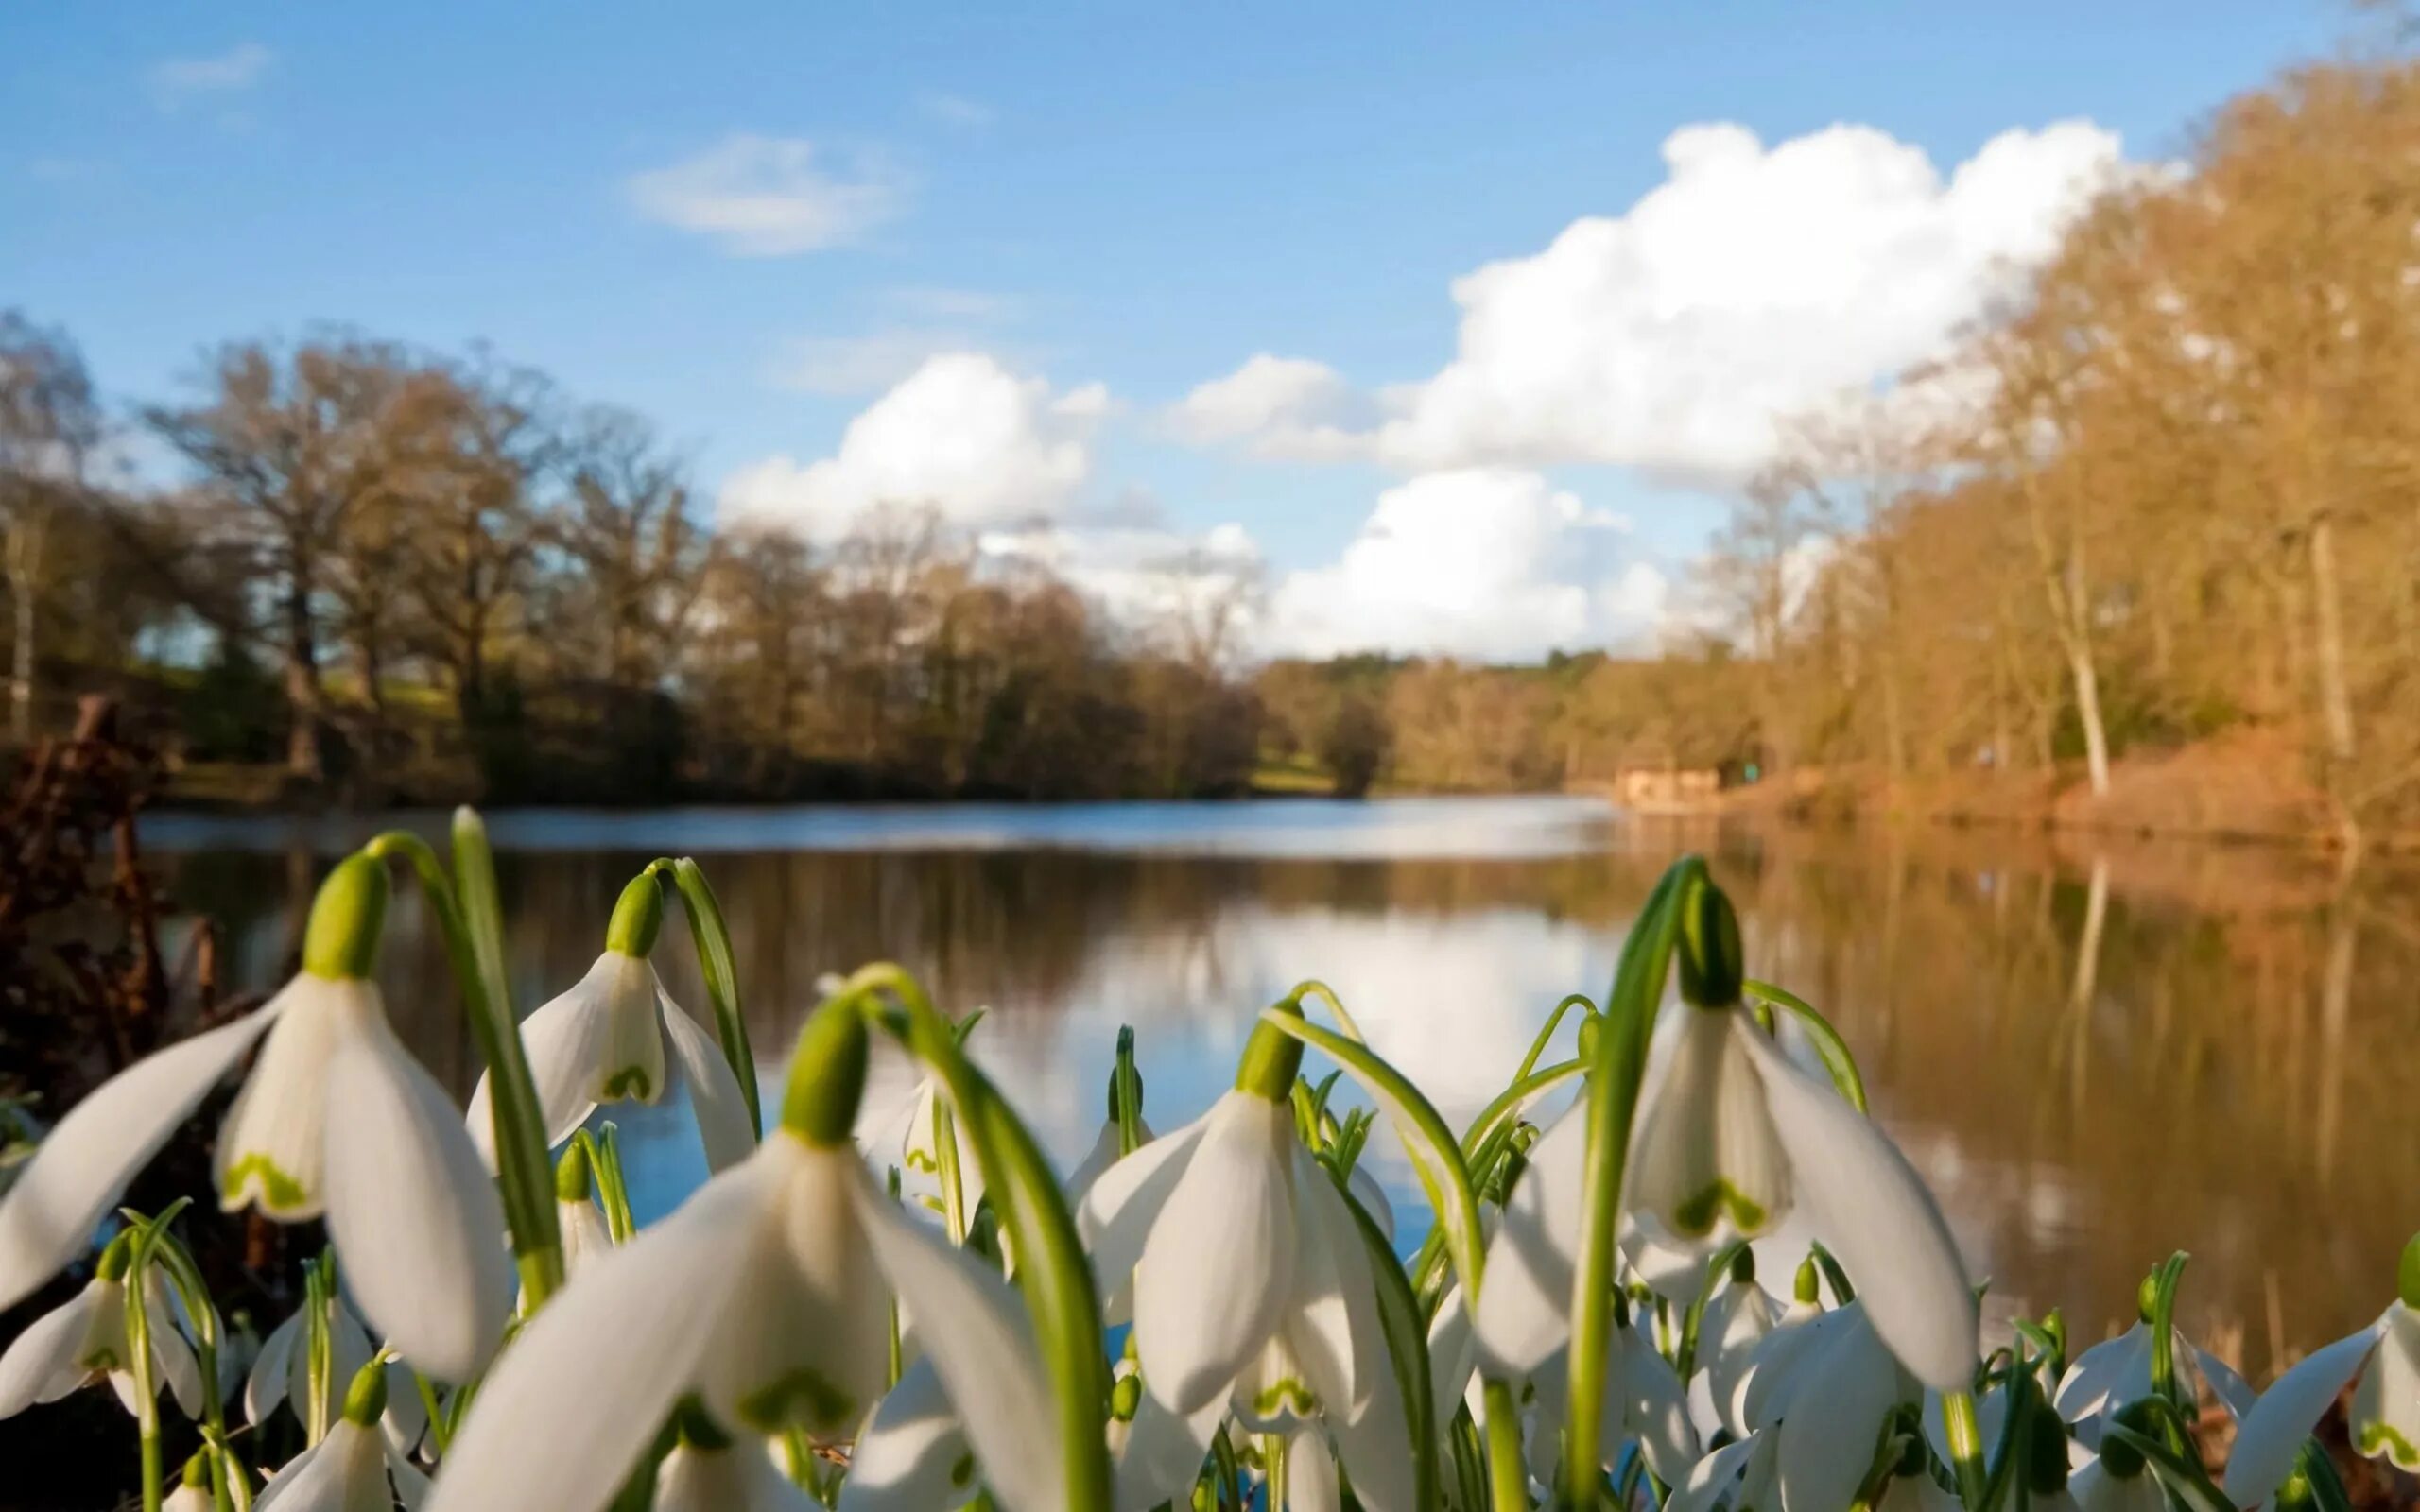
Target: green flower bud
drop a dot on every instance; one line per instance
(2406, 1276)
(1271, 1059)
(115, 1257)
(573, 1181)
(637, 918)
(2146, 1298)
(827, 1075)
(365, 1401)
(1806, 1286)
(197, 1471)
(1711, 961)
(1125, 1397)
(342, 942)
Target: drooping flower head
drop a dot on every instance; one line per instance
(353, 1469)
(87, 1341)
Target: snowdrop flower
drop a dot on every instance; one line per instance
(707, 1472)
(2095, 1488)
(1735, 1129)
(336, 1118)
(585, 1237)
(193, 1488)
(907, 1137)
(353, 1469)
(616, 1034)
(2381, 1362)
(1644, 1403)
(912, 1454)
(85, 1341)
(768, 1295)
(281, 1376)
(1742, 1470)
(2104, 1379)
(1825, 1391)
(1737, 1321)
(1251, 1281)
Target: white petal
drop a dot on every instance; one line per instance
(1100, 1158)
(1376, 1450)
(1163, 1455)
(982, 1345)
(570, 1407)
(1736, 1322)
(1654, 1408)
(1713, 1475)
(47, 1217)
(1333, 1320)
(1871, 1207)
(737, 1478)
(2386, 1401)
(806, 1339)
(2094, 1490)
(416, 1221)
(912, 1456)
(41, 1365)
(2109, 1375)
(1453, 1356)
(1524, 1311)
(173, 1364)
(345, 1471)
(585, 1237)
(2273, 1432)
(715, 1097)
(267, 1386)
(1373, 1197)
(1779, 1366)
(2227, 1384)
(271, 1148)
(1829, 1433)
(565, 1042)
(1217, 1269)
(406, 1419)
(1990, 1416)
(1707, 1149)
(412, 1487)
(1311, 1475)
(1116, 1212)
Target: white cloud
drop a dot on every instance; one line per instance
(1494, 563)
(984, 446)
(868, 364)
(954, 110)
(1752, 284)
(1143, 577)
(771, 197)
(174, 81)
(1290, 407)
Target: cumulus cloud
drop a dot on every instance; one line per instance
(771, 197)
(1145, 576)
(1490, 562)
(175, 81)
(963, 434)
(1755, 283)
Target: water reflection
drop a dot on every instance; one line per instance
(2096, 1057)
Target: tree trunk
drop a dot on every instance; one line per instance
(2096, 738)
(302, 692)
(25, 576)
(2335, 699)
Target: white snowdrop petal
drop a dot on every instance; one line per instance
(1373, 1197)
(2096, 1380)
(2094, 1490)
(47, 1217)
(272, 1145)
(1711, 1476)
(345, 1471)
(564, 1043)
(266, 1388)
(1830, 1431)
(1875, 1212)
(1653, 1409)
(584, 1387)
(1334, 1318)
(173, 1364)
(1217, 1269)
(912, 1454)
(2273, 1430)
(1524, 1313)
(1163, 1455)
(2386, 1399)
(417, 1224)
(585, 1237)
(716, 1100)
(1675, 1163)
(632, 1061)
(737, 1478)
(1311, 1484)
(1114, 1216)
(41, 1362)
(981, 1345)
(2227, 1384)
(1375, 1446)
(1736, 1322)
(1453, 1356)
(1778, 1366)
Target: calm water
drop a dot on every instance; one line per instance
(2096, 1057)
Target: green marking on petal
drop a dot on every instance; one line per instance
(631, 1081)
(2378, 1437)
(1290, 1394)
(101, 1360)
(803, 1398)
(1695, 1218)
(961, 1474)
(254, 1174)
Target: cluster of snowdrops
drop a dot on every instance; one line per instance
(1214, 1316)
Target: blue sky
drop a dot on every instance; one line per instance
(1133, 198)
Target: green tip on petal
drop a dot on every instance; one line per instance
(827, 1075)
(365, 1401)
(346, 919)
(1712, 964)
(1271, 1059)
(2406, 1276)
(638, 918)
(573, 1179)
(1805, 1286)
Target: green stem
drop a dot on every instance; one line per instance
(952, 1182)
(524, 1173)
(1313, 988)
(318, 1289)
(719, 965)
(1826, 1040)
(1272, 1459)
(211, 1337)
(1507, 1472)
(1053, 1270)
(1554, 1020)
(138, 1345)
(1127, 1095)
(1618, 1062)
(1966, 1448)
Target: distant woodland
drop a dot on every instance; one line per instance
(2152, 528)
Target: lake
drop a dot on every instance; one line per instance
(2095, 1052)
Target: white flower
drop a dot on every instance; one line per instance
(1826, 1390)
(616, 1034)
(1742, 1470)
(1644, 1402)
(2094, 1489)
(1737, 1127)
(337, 1117)
(1104, 1154)
(1251, 1283)
(2384, 1421)
(188, 1497)
(729, 1478)
(1310, 1474)
(906, 1138)
(912, 1454)
(767, 1294)
(586, 1239)
(85, 1341)
(281, 1376)
(1736, 1323)
(2104, 1379)
(353, 1469)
